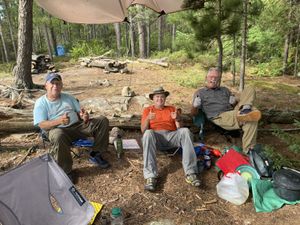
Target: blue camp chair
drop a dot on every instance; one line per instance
(80, 143)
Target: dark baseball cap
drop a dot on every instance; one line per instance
(51, 76)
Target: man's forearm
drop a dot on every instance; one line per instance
(49, 124)
(145, 125)
(194, 111)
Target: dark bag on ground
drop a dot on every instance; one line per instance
(286, 184)
(259, 160)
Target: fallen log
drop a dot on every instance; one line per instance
(133, 123)
(277, 116)
(159, 62)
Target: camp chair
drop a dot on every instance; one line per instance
(200, 119)
(80, 143)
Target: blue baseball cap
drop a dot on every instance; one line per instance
(51, 76)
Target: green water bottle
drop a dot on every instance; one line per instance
(119, 146)
(116, 216)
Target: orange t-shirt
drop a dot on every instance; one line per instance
(162, 120)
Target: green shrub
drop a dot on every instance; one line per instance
(269, 69)
(185, 41)
(6, 69)
(207, 60)
(88, 48)
(292, 140)
(278, 159)
(293, 145)
(161, 54)
(179, 57)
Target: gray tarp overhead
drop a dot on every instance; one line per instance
(102, 11)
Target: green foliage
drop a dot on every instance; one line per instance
(85, 48)
(6, 69)
(269, 69)
(179, 57)
(278, 159)
(189, 77)
(214, 20)
(176, 58)
(185, 41)
(293, 141)
(263, 45)
(206, 60)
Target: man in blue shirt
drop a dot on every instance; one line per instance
(60, 115)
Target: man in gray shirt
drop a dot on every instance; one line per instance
(221, 107)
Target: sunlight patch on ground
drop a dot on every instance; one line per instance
(288, 89)
(189, 77)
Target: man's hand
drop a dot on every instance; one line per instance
(84, 115)
(65, 120)
(176, 114)
(197, 102)
(151, 116)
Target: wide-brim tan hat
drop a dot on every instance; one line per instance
(158, 90)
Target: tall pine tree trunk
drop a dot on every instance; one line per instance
(118, 38)
(219, 39)
(244, 46)
(3, 43)
(47, 39)
(148, 39)
(127, 39)
(173, 37)
(10, 26)
(297, 52)
(287, 44)
(39, 38)
(142, 39)
(233, 68)
(160, 33)
(22, 71)
(220, 56)
(52, 37)
(132, 39)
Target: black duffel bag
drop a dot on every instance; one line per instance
(260, 161)
(286, 184)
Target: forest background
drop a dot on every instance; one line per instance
(255, 37)
(225, 33)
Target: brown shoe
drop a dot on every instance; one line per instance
(249, 115)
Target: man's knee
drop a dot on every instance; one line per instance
(185, 132)
(103, 121)
(148, 134)
(57, 134)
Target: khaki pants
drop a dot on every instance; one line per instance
(228, 120)
(61, 139)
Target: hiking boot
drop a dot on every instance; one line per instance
(96, 159)
(72, 177)
(150, 184)
(193, 180)
(248, 115)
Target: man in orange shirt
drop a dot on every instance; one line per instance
(161, 129)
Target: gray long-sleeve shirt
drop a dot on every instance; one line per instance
(214, 101)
